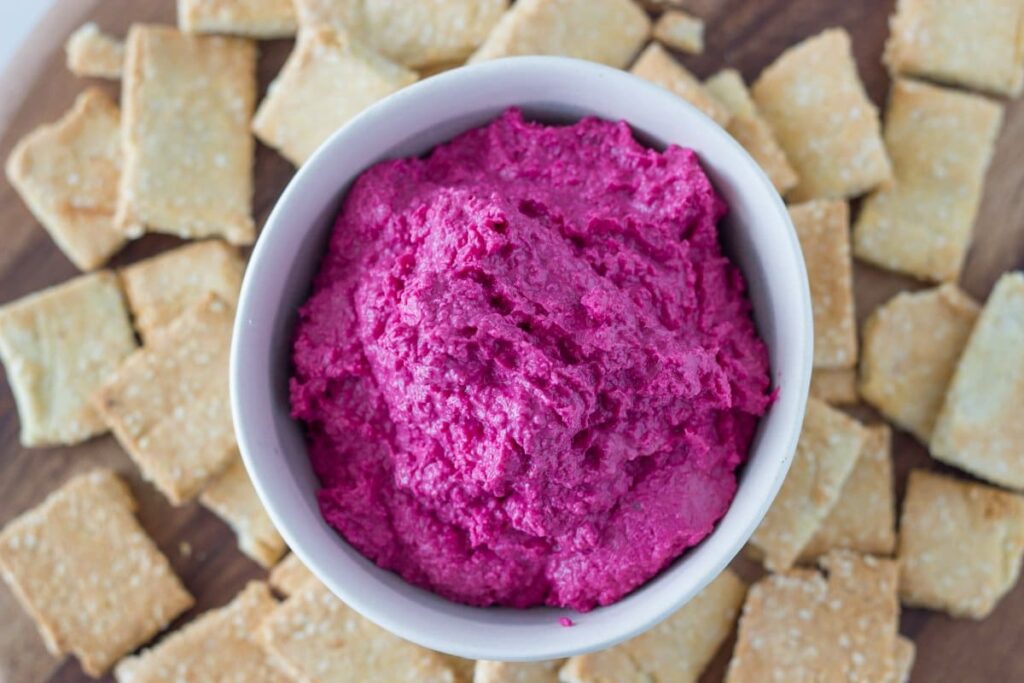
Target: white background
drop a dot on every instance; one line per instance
(17, 17)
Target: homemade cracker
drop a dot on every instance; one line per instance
(85, 570)
(906, 652)
(829, 445)
(517, 672)
(90, 52)
(813, 99)
(59, 345)
(680, 31)
(835, 387)
(606, 31)
(911, 347)
(979, 427)
(940, 142)
(960, 544)
(187, 148)
(327, 80)
(232, 496)
(979, 45)
(256, 18)
(656, 65)
(67, 173)
(289, 575)
(168, 403)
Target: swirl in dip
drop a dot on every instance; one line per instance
(527, 371)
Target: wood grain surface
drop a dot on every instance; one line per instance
(745, 34)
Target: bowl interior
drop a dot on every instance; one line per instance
(757, 235)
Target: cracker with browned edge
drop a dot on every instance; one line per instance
(906, 652)
(255, 18)
(835, 387)
(960, 544)
(517, 672)
(232, 497)
(90, 52)
(940, 142)
(911, 347)
(289, 575)
(187, 148)
(814, 100)
(680, 31)
(656, 65)
(88, 574)
(59, 346)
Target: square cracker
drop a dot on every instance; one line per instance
(906, 653)
(680, 31)
(161, 288)
(677, 649)
(656, 65)
(606, 31)
(59, 346)
(255, 18)
(85, 570)
(187, 148)
(67, 173)
(979, 427)
(960, 544)
(835, 387)
(327, 80)
(221, 645)
(802, 626)
(232, 496)
(940, 142)
(814, 100)
(168, 403)
(911, 347)
(91, 52)
(289, 575)
(517, 672)
(829, 445)
(978, 45)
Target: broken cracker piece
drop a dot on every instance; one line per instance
(517, 672)
(91, 52)
(835, 387)
(254, 18)
(680, 31)
(906, 652)
(85, 570)
(232, 497)
(656, 65)
(289, 575)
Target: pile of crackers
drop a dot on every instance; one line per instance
(142, 351)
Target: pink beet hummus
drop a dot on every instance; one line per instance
(527, 372)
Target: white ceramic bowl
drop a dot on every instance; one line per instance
(757, 234)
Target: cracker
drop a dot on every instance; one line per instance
(979, 427)
(327, 80)
(911, 346)
(255, 18)
(680, 31)
(677, 649)
(85, 570)
(67, 174)
(59, 346)
(814, 100)
(187, 148)
(750, 129)
(656, 65)
(168, 403)
(90, 52)
(232, 497)
(829, 445)
(960, 544)
(835, 387)
(161, 288)
(940, 142)
(823, 228)
(517, 672)
(221, 645)
(971, 44)
(906, 653)
(606, 31)
(289, 575)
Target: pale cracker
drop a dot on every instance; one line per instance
(327, 80)
(606, 31)
(830, 443)
(168, 403)
(906, 653)
(187, 148)
(517, 672)
(232, 497)
(67, 173)
(289, 575)
(979, 45)
(835, 387)
(59, 345)
(911, 347)
(656, 65)
(90, 52)
(814, 100)
(678, 649)
(680, 31)
(940, 142)
(960, 544)
(85, 570)
(221, 645)
(161, 288)
(255, 18)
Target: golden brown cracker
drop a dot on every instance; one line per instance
(255, 18)
(681, 31)
(232, 497)
(835, 387)
(289, 575)
(90, 52)
(906, 653)
(659, 67)
(517, 672)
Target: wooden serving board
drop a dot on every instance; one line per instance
(745, 34)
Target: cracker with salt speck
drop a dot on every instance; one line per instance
(168, 403)
(232, 497)
(829, 445)
(59, 345)
(327, 80)
(677, 649)
(680, 31)
(85, 570)
(289, 575)
(606, 31)
(188, 151)
(255, 18)
(835, 387)
(911, 347)
(656, 65)
(221, 645)
(940, 142)
(906, 652)
(960, 544)
(67, 174)
(814, 100)
(517, 672)
(90, 52)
